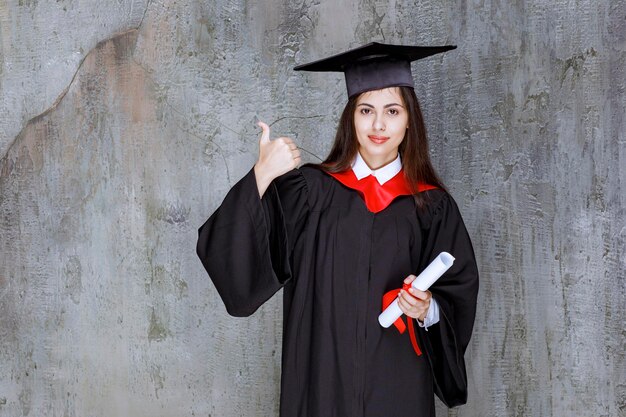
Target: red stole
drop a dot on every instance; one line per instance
(377, 197)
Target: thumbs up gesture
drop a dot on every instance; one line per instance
(276, 157)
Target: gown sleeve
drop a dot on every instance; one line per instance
(246, 244)
(456, 293)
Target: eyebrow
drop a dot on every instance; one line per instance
(384, 107)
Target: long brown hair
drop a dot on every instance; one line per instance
(414, 148)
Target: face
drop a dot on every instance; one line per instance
(380, 121)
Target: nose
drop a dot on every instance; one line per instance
(379, 123)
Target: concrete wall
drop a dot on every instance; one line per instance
(123, 124)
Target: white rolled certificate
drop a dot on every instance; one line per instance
(429, 275)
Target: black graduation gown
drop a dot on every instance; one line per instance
(314, 237)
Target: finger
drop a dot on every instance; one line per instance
(422, 295)
(402, 303)
(403, 306)
(296, 154)
(403, 309)
(407, 308)
(409, 279)
(265, 136)
(409, 300)
(285, 140)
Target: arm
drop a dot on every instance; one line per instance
(455, 293)
(245, 245)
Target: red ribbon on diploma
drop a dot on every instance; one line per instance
(388, 298)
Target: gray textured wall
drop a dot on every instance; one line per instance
(123, 124)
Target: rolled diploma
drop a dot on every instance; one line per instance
(429, 275)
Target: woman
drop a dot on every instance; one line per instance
(340, 235)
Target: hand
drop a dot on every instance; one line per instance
(411, 306)
(276, 157)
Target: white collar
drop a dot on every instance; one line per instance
(384, 174)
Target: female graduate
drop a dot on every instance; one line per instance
(340, 235)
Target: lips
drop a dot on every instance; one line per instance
(378, 139)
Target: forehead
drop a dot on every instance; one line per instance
(383, 96)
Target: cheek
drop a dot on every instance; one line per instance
(360, 126)
(402, 127)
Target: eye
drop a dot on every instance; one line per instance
(365, 110)
(394, 112)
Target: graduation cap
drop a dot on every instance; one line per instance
(375, 65)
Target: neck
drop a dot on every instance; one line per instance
(378, 163)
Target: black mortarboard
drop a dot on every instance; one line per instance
(375, 65)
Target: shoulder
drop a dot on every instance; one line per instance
(434, 198)
(308, 175)
(313, 172)
(438, 204)
(308, 181)
(320, 184)
(316, 177)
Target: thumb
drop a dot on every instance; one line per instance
(265, 136)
